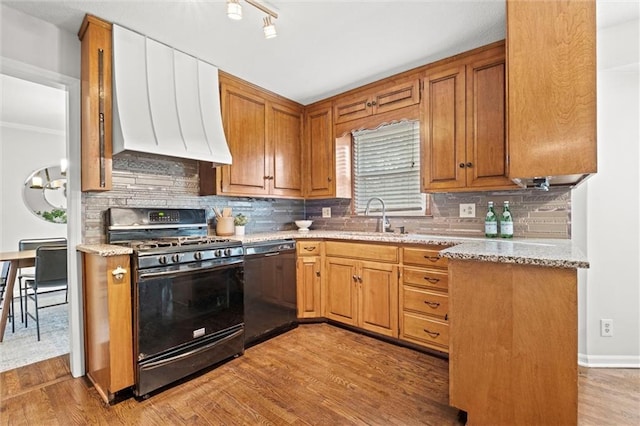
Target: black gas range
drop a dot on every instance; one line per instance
(188, 308)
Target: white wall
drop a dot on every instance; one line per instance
(22, 151)
(610, 289)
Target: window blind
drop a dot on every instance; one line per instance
(386, 164)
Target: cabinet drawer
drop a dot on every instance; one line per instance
(424, 257)
(426, 278)
(424, 330)
(364, 251)
(425, 302)
(309, 248)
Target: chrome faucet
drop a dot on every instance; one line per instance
(383, 223)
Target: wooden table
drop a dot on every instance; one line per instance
(17, 259)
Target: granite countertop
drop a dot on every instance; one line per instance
(539, 252)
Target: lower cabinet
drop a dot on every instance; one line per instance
(361, 286)
(309, 274)
(108, 332)
(424, 300)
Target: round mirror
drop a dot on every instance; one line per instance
(45, 194)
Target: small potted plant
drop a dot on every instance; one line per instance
(240, 221)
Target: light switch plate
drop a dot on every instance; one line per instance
(326, 212)
(468, 210)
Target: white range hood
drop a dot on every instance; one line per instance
(164, 101)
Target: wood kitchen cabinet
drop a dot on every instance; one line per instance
(463, 124)
(264, 133)
(309, 278)
(361, 286)
(551, 63)
(96, 104)
(389, 95)
(513, 343)
(108, 323)
(424, 300)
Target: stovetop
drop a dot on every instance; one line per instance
(196, 241)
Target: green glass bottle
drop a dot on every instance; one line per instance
(506, 222)
(491, 222)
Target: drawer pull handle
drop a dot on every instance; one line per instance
(432, 280)
(431, 333)
(446, 317)
(433, 305)
(432, 258)
(310, 248)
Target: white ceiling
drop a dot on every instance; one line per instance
(323, 47)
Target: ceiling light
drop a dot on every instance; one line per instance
(269, 28)
(234, 10)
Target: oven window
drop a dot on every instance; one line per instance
(179, 309)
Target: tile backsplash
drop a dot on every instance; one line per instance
(146, 180)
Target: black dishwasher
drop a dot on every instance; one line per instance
(269, 289)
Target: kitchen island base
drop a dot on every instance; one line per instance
(513, 343)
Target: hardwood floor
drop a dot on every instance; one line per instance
(316, 374)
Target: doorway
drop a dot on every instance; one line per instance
(60, 95)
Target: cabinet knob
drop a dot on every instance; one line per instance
(317, 273)
(469, 164)
(329, 178)
(461, 165)
(355, 278)
(368, 104)
(373, 103)
(118, 273)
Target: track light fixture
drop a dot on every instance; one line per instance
(234, 11)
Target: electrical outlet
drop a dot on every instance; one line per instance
(606, 327)
(468, 210)
(326, 212)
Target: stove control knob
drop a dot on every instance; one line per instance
(175, 258)
(162, 260)
(197, 255)
(218, 253)
(227, 252)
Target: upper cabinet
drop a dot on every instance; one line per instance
(392, 94)
(463, 123)
(264, 133)
(551, 81)
(96, 141)
(319, 158)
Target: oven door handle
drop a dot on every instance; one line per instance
(170, 274)
(193, 351)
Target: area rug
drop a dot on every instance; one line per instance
(23, 348)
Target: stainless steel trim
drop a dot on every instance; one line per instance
(154, 226)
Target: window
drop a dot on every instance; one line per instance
(386, 164)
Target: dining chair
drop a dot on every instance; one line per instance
(32, 244)
(50, 277)
(4, 276)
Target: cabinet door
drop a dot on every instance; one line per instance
(341, 300)
(378, 301)
(443, 127)
(244, 118)
(352, 107)
(308, 276)
(551, 56)
(319, 159)
(96, 76)
(285, 150)
(398, 96)
(486, 132)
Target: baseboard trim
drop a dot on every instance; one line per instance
(609, 361)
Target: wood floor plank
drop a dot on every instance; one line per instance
(317, 374)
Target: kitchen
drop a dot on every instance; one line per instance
(150, 170)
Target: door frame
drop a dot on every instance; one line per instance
(71, 86)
